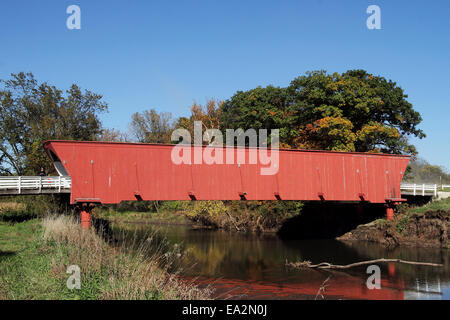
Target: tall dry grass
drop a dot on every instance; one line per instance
(124, 272)
(5, 206)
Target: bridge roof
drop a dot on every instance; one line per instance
(47, 143)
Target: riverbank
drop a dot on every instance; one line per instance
(425, 226)
(35, 255)
(161, 217)
(241, 216)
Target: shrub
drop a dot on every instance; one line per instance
(174, 206)
(206, 209)
(243, 215)
(402, 223)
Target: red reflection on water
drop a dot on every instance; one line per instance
(340, 287)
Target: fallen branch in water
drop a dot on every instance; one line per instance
(326, 265)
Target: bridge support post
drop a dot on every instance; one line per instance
(85, 217)
(389, 211)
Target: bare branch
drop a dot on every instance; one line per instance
(327, 265)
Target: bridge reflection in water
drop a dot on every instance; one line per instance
(253, 267)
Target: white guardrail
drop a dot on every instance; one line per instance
(51, 184)
(420, 189)
(27, 184)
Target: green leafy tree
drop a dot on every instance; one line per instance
(31, 113)
(260, 108)
(353, 111)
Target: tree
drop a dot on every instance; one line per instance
(260, 108)
(31, 113)
(377, 109)
(353, 111)
(152, 127)
(209, 115)
(420, 171)
(112, 135)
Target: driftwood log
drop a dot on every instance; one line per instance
(327, 265)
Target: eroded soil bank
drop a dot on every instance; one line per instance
(429, 228)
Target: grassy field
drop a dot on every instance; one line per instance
(432, 206)
(14, 237)
(35, 255)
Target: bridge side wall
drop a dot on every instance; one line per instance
(112, 172)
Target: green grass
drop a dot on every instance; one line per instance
(35, 255)
(25, 262)
(28, 275)
(15, 236)
(432, 206)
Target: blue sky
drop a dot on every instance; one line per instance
(165, 55)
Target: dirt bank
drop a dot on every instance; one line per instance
(428, 228)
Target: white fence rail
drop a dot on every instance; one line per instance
(445, 186)
(420, 189)
(62, 184)
(30, 184)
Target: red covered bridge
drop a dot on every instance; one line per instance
(109, 172)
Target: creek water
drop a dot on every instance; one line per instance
(250, 266)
